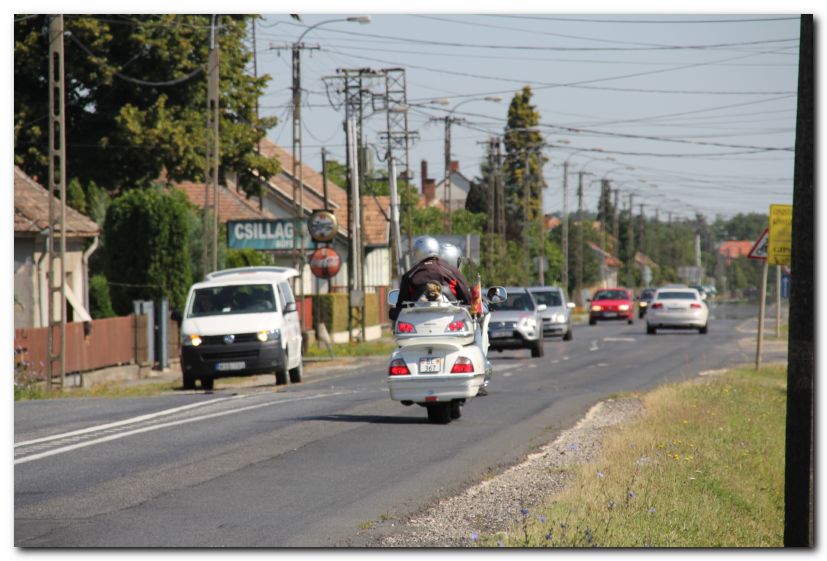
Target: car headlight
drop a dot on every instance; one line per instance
(597, 308)
(643, 303)
(192, 340)
(528, 323)
(558, 318)
(268, 335)
(623, 307)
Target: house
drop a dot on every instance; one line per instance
(734, 249)
(31, 263)
(608, 264)
(460, 186)
(429, 197)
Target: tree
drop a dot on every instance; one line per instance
(523, 166)
(158, 266)
(136, 98)
(477, 200)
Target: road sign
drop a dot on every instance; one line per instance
(325, 262)
(265, 234)
(780, 244)
(759, 250)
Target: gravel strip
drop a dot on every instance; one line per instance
(493, 505)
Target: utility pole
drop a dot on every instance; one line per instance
(212, 154)
(56, 241)
(500, 192)
(642, 231)
(491, 197)
(630, 276)
(564, 273)
(578, 272)
(799, 474)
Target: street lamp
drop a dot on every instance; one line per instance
(297, 169)
(449, 119)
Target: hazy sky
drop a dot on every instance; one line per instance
(700, 105)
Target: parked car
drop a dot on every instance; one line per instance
(516, 323)
(241, 322)
(701, 291)
(677, 308)
(612, 304)
(644, 300)
(557, 315)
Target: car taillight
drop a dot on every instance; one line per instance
(404, 327)
(463, 365)
(456, 326)
(398, 368)
(695, 305)
(657, 306)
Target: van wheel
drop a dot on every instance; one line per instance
(651, 330)
(456, 409)
(296, 373)
(281, 372)
(537, 349)
(439, 413)
(207, 383)
(189, 381)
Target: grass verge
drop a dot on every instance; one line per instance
(704, 467)
(368, 348)
(108, 389)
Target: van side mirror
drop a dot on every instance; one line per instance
(497, 294)
(290, 307)
(393, 297)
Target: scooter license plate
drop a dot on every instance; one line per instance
(430, 365)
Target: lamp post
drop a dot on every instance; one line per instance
(297, 168)
(449, 119)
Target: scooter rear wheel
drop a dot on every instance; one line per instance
(439, 413)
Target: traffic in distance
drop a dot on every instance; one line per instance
(244, 321)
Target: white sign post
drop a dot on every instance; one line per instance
(759, 251)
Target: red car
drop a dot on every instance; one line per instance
(612, 303)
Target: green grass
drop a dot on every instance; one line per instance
(368, 348)
(704, 467)
(107, 389)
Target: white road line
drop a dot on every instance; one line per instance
(594, 346)
(165, 425)
(620, 339)
(131, 421)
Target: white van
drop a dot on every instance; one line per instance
(240, 322)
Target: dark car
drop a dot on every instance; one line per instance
(645, 300)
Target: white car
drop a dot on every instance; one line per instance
(677, 308)
(240, 322)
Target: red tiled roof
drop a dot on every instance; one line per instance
(31, 210)
(552, 222)
(734, 249)
(377, 212)
(231, 205)
(611, 260)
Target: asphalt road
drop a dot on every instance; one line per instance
(309, 465)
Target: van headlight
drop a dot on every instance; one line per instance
(268, 335)
(192, 340)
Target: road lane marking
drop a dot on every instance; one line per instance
(165, 425)
(131, 421)
(620, 339)
(594, 346)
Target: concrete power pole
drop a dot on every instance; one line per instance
(564, 273)
(57, 216)
(211, 161)
(578, 272)
(630, 258)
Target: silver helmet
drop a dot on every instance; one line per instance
(451, 254)
(424, 247)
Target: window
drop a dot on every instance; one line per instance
(516, 302)
(548, 297)
(233, 299)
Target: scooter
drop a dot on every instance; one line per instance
(441, 358)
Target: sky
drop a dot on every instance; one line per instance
(689, 112)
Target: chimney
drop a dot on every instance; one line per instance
(454, 166)
(423, 174)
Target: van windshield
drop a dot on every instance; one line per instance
(233, 299)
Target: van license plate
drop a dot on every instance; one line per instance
(430, 365)
(223, 366)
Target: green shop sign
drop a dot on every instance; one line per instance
(268, 235)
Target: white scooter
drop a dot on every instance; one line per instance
(441, 360)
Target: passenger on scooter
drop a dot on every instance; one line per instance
(429, 268)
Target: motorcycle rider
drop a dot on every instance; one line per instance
(430, 268)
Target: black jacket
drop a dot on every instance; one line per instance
(428, 270)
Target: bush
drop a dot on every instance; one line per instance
(100, 304)
(147, 242)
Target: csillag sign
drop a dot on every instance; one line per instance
(267, 235)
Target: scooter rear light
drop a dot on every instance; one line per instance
(456, 326)
(398, 368)
(657, 306)
(463, 365)
(405, 327)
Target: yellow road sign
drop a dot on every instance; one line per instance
(781, 235)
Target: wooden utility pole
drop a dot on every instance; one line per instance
(798, 474)
(211, 160)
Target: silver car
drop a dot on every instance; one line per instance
(677, 308)
(516, 323)
(557, 315)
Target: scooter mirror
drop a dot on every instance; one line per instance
(393, 296)
(497, 294)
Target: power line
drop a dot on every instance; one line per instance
(614, 21)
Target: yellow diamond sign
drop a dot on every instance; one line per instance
(781, 235)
